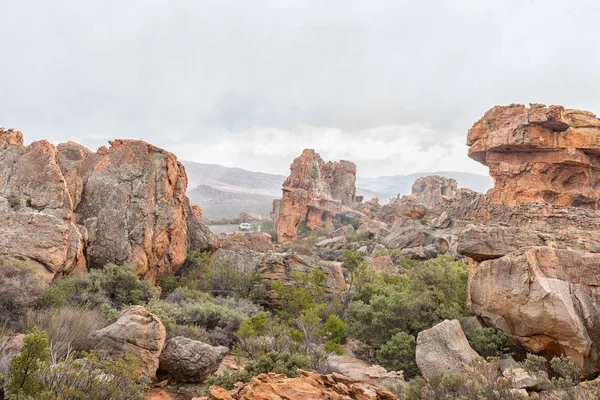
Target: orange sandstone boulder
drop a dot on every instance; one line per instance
(307, 386)
(539, 154)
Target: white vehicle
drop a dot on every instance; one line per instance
(244, 226)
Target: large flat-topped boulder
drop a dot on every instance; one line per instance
(539, 154)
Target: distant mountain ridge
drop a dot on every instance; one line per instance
(225, 192)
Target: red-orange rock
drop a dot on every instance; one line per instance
(539, 154)
(313, 194)
(64, 208)
(307, 386)
(10, 138)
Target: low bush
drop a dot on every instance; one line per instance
(20, 289)
(398, 354)
(22, 382)
(400, 260)
(489, 342)
(68, 329)
(94, 376)
(224, 281)
(280, 363)
(117, 286)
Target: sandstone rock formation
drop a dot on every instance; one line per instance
(360, 371)
(307, 385)
(66, 208)
(549, 299)
(444, 350)
(539, 154)
(187, 360)
(247, 241)
(536, 236)
(137, 332)
(382, 264)
(429, 190)
(313, 194)
(282, 267)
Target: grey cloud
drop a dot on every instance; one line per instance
(188, 72)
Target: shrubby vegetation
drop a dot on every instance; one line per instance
(489, 342)
(39, 373)
(426, 295)
(276, 329)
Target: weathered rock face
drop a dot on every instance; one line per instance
(36, 209)
(9, 138)
(307, 385)
(137, 332)
(361, 371)
(188, 360)
(280, 267)
(539, 154)
(249, 241)
(429, 190)
(549, 299)
(65, 208)
(382, 264)
(444, 349)
(313, 194)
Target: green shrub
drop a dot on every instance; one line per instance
(94, 376)
(189, 275)
(22, 381)
(224, 280)
(260, 334)
(489, 342)
(566, 369)
(119, 286)
(534, 363)
(335, 330)
(400, 260)
(380, 253)
(122, 285)
(425, 296)
(398, 354)
(280, 363)
(304, 291)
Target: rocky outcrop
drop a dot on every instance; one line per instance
(10, 137)
(187, 360)
(481, 242)
(258, 242)
(382, 264)
(444, 350)
(137, 332)
(66, 208)
(429, 190)
(307, 385)
(548, 299)
(9, 347)
(539, 154)
(282, 267)
(36, 210)
(313, 194)
(360, 371)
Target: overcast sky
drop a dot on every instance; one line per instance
(391, 85)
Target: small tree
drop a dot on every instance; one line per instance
(398, 354)
(22, 381)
